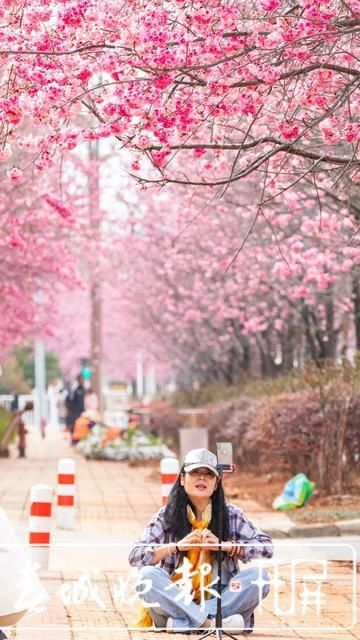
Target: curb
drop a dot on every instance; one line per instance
(313, 530)
(339, 528)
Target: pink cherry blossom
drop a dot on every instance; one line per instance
(15, 174)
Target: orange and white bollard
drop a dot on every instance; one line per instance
(65, 510)
(40, 524)
(169, 470)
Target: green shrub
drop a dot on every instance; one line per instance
(307, 431)
(305, 421)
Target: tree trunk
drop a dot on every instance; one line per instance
(332, 334)
(95, 280)
(321, 461)
(288, 347)
(267, 365)
(246, 360)
(96, 340)
(340, 431)
(305, 314)
(356, 296)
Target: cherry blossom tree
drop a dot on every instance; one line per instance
(35, 258)
(206, 94)
(49, 241)
(217, 305)
(253, 102)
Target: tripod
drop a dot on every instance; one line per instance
(218, 619)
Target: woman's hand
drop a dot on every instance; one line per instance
(190, 541)
(209, 540)
(228, 547)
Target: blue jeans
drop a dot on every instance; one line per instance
(163, 592)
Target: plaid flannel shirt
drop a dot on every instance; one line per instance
(242, 530)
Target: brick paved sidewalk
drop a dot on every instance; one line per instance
(114, 500)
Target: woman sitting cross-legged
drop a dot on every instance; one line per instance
(178, 548)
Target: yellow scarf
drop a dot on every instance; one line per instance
(197, 556)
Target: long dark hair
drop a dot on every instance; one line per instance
(175, 515)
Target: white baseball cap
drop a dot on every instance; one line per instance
(197, 458)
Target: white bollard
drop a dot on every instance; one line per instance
(65, 510)
(40, 524)
(169, 470)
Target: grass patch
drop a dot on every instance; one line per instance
(5, 416)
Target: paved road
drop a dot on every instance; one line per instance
(114, 500)
(337, 548)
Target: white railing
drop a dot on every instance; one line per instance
(6, 400)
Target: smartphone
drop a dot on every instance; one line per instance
(224, 453)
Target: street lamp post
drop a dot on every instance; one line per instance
(40, 384)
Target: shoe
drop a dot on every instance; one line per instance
(250, 628)
(234, 624)
(170, 628)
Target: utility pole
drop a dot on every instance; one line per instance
(96, 340)
(139, 375)
(95, 280)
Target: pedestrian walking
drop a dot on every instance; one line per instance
(21, 428)
(22, 433)
(181, 540)
(75, 402)
(16, 427)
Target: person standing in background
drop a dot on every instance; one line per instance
(14, 403)
(75, 403)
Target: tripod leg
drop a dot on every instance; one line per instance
(219, 633)
(206, 634)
